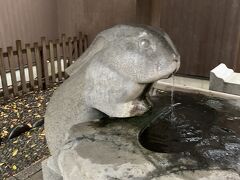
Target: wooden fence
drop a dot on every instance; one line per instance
(38, 66)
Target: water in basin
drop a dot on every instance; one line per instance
(207, 129)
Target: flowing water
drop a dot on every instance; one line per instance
(172, 117)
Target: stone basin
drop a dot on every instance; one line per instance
(110, 148)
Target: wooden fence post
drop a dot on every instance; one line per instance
(85, 42)
(30, 66)
(38, 65)
(21, 66)
(3, 75)
(59, 64)
(80, 44)
(44, 62)
(12, 70)
(70, 57)
(76, 54)
(64, 51)
(52, 61)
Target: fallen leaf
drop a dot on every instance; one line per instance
(15, 151)
(5, 107)
(14, 106)
(4, 133)
(14, 120)
(29, 125)
(41, 97)
(14, 167)
(33, 145)
(29, 135)
(42, 134)
(2, 164)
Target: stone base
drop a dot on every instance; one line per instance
(110, 150)
(48, 172)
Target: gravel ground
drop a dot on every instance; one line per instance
(20, 152)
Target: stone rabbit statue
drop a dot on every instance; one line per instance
(110, 78)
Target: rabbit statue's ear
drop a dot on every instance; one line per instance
(97, 45)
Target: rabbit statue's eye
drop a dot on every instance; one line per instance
(144, 43)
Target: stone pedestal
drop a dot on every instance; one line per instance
(111, 150)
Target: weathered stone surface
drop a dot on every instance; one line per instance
(110, 150)
(110, 77)
(96, 151)
(49, 173)
(201, 175)
(223, 79)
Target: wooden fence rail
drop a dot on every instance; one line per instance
(38, 66)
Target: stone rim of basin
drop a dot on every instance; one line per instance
(112, 155)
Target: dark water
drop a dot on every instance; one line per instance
(206, 128)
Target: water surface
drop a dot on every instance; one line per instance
(207, 129)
